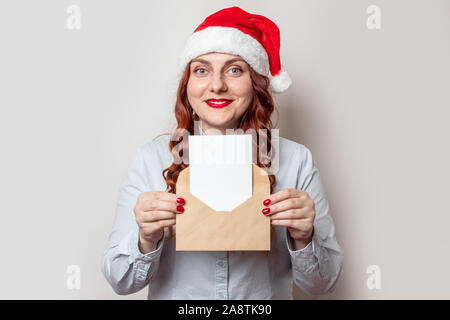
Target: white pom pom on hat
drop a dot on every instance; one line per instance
(253, 37)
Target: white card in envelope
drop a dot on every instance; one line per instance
(221, 169)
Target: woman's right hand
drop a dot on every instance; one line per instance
(155, 210)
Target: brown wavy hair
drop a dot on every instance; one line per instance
(256, 117)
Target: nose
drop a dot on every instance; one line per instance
(217, 83)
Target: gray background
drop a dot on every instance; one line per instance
(372, 106)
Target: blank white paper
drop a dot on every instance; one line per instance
(221, 169)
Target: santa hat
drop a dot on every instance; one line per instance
(253, 37)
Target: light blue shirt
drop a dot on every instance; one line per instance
(204, 275)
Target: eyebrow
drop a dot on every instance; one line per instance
(226, 63)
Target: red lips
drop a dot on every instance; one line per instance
(218, 103)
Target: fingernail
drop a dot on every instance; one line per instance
(180, 200)
(266, 210)
(180, 208)
(266, 202)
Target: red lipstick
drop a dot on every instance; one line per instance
(218, 103)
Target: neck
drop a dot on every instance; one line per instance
(209, 130)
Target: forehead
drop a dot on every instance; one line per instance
(217, 57)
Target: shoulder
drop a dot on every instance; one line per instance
(289, 148)
(156, 149)
(298, 158)
(159, 142)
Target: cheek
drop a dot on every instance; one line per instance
(243, 90)
(195, 88)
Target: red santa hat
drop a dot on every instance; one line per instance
(253, 37)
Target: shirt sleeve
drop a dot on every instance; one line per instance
(125, 268)
(317, 267)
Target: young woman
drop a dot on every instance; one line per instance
(228, 71)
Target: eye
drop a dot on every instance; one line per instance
(195, 71)
(235, 68)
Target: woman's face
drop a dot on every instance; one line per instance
(219, 76)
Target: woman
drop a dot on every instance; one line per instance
(229, 69)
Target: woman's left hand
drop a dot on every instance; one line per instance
(295, 210)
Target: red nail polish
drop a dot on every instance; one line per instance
(266, 202)
(180, 208)
(180, 200)
(266, 210)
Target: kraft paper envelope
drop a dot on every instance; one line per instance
(201, 228)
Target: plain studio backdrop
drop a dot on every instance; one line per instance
(373, 106)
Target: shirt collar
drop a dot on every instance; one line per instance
(202, 133)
